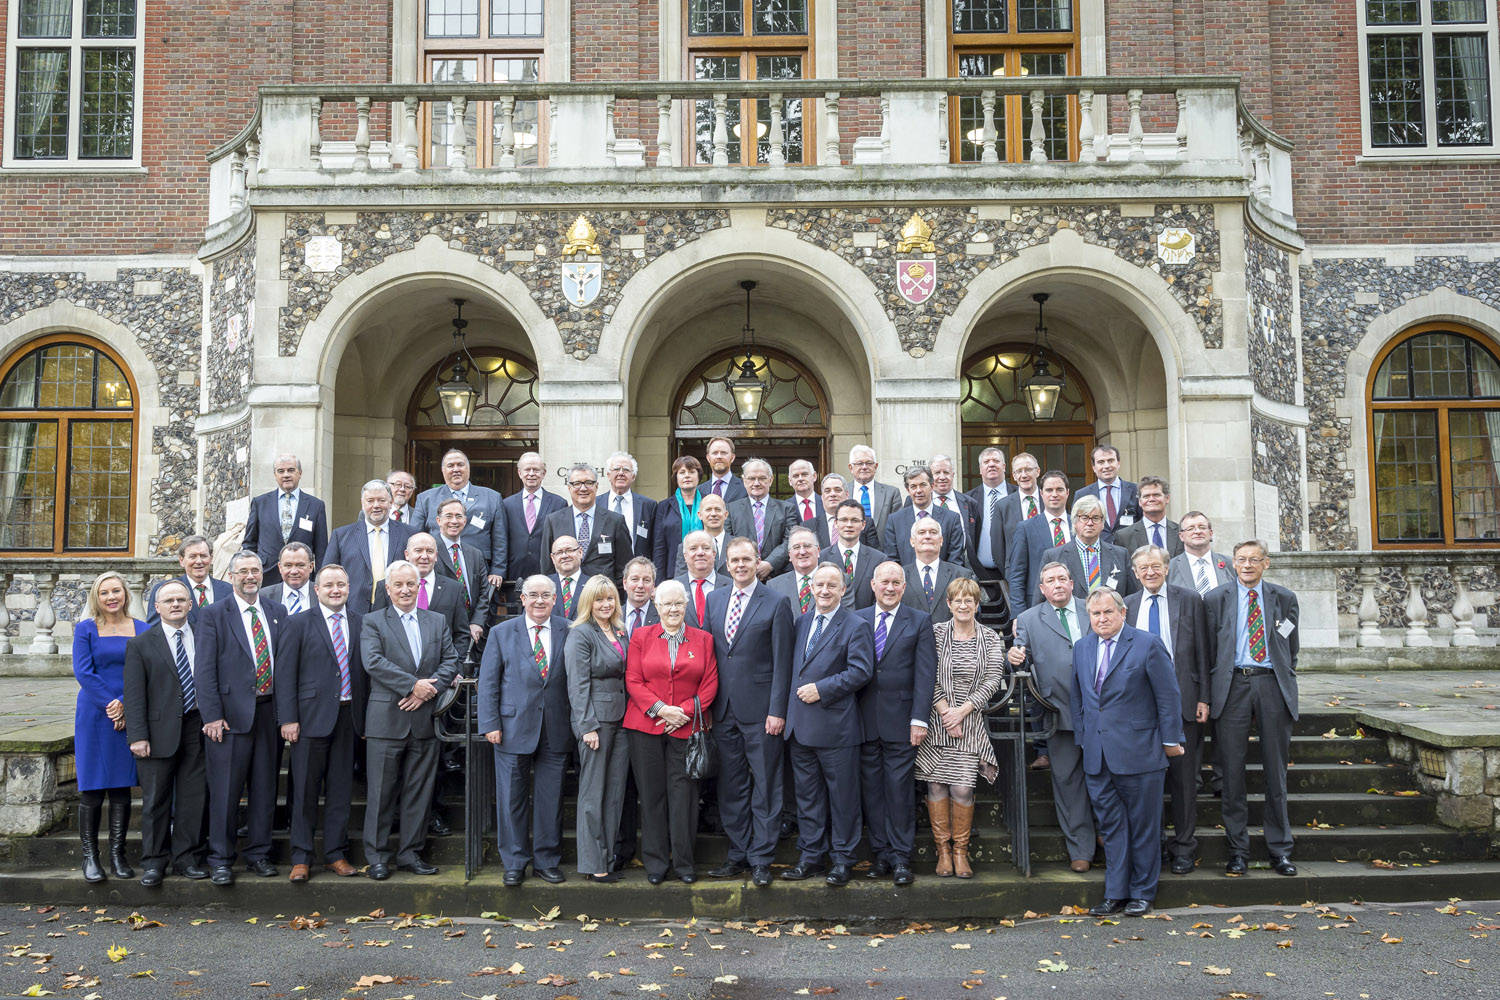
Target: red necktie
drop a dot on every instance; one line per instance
(807, 509)
(699, 603)
(1109, 504)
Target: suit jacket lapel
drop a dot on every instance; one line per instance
(238, 617)
(393, 619)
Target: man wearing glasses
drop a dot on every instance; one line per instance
(1093, 562)
(602, 534)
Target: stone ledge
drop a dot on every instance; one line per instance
(1446, 728)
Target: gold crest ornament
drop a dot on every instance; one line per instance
(581, 238)
(916, 236)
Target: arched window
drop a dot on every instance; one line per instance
(503, 428)
(995, 413)
(1435, 439)
(67, 449)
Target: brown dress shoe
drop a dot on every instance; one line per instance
(1042, 763)
(341, 867)
(1079, 866)
(299, 873)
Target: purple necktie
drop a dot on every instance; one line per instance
(719, 488)
(880, 634)
(341, 653)
(1103, 666)
(760, 524)
(530, 512)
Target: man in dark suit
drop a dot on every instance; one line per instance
(721, 482)
(1128, 721)
(833, 657)
(286, 514)
(366, 547)
(403, 487)
(1092, 561)
(763, 518)
(486, 529)
(321, 695)
(1022, 503)
(1198, 566)
(410, 657)
(878, 500)
(295, 591)
(640, 589)
(859, 561)
(568, 576)
(165, 731)
(796, 583)
(1045, 636)
(523, 712)
(434, 592)
(1254, 625)
(462, 563)
(1153, 528)
(526, 514)
(897, 542)
(1176, 616)
(1032, 539)
(927, 575)
(893, 711)
(752, 628)
(233, 675)
(804, 499)
(701, 578)
(620, 469)
(1120, 498)
(989, 536)
(946, 496)
(835, 492)
(196, 556)
(602, 534)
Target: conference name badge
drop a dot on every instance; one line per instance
(305, 523)
(477, 521)
(1286, 627)
(606, 547)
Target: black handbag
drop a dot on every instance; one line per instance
(702, 754)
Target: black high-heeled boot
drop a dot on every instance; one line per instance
(119, 822)
(88, 832)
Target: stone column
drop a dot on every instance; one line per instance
(913, 420)
(580, 422)
(1214, 468)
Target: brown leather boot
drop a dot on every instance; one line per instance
(963, 825)
(937, 815)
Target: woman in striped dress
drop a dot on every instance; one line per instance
(970, 669)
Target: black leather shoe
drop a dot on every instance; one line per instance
(1282, 865)
(689, 878)
(1236, 865)
(801, 871)
(553, 875)
(838, 875)
(619, 864)
(903, 875)
(191, 871)
(1107, 907)
(263, 868)
(1182, 866)
(788, 827)
(380, 872)
(760, 875)
(438, 827)
(728, 869)
(223, 875)
(655, 879)
(879, 868)
(514, 876)
(1138, 907)
(418, 867)
(151, 876)
(607, 877)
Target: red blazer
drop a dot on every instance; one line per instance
(649, 676)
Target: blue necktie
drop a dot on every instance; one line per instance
(185, 675)
(880, 634)
(1156, 536)
(295, 605)
(817, 632)
(1153, 617)
(864, 500)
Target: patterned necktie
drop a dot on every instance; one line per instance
(1204, 582)
(1030, 508)
(397, 516)
(817, 632)
(1057, 534)
(1156, 536)
(185, 675)
(944, 502)
(340, 653)
(1062, 613)
(734, 615)
(458, 571)
(881, 634)
(804, 593)
(262, 653)
(538, 653)
(994, 505)
(202, 595)
(700, 603)
(927, 583)
(286, 517)
(1103, 666)
(1092, 566)
(635, 621)
(864, 500)
(294, 601)
(807, 509)
(1109, 503)
(760, 523)
(422, 594)
(567, 596)
(848, 564)
(1255, 623)
(583, 532)
(530, 512)
(1153, 617)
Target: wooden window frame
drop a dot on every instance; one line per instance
(1017, 436)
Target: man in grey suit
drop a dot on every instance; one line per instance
(796, 583)
(1045, 634)
(1093, 562)
(878, 500)
(1198, 566)
(367, 546)
(859, 561)
(1154, 528)
(1254, 625)
(602, 534)
(1175, 615)
(928, 575)
(409, 656)
(762, 517)
(486, 528)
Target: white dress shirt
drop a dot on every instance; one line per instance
(748, 591)
(208, 589)
(1143, 617)
(264, 624)
(304, 594)
(187, 641)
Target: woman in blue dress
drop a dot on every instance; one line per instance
(105, 765)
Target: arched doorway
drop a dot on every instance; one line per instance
(995, 413)
(503, 428)
(793, 419)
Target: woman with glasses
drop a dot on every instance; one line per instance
(596, 693)
(676, 516)
(667, 667)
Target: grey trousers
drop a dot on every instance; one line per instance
(1070, 794)
(601, 796)
(1259, 699)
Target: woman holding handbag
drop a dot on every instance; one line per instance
(596, 694)
(670, 675)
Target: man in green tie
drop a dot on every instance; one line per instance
(796, 583)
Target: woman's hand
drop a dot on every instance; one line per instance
(591, 740)
(116, 711)
(953, 719)
(674, 717)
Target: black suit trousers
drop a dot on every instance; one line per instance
(243, 759)
(750, 789)
(174, 802)
(669, 801)
(888, 789)
(1182, 789)
(828, 819)
(323, 765)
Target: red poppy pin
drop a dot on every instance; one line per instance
(1221, 564)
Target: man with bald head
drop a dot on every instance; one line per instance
(714, 514)
(285, 514)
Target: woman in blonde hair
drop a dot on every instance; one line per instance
(595, 652)
(105, 765)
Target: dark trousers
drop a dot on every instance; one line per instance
(399, 776)
(1128, 810)
(174, 802)
(1256, 700)
(323, 765)
(886, 772)
(750, 789)
(1182, 789)
(241, 760)
(828, 817)
(529, 831)
(669, 801)
(630, 816)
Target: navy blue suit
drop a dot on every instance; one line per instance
(1121, 729)
(486, 528)
(1023, 572)
(1129, 504)
(349, 547)
(755, 671)
(905, 677)
(221, 592)
(825, 736)
(263, 530)
(642, 517)
(524, 548)
(534, 720)
(897, 539)
(734, 488)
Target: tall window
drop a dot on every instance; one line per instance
(996, 413)
(67, 458)
(770, 41)
(73, 85)
(1012, 38)
(485, 41)
(1429, 69)
(1435, 439)
(503, 428)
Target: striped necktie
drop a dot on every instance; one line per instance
(341, 653)
(262, 649)
(185, 675)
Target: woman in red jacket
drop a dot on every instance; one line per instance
(666, 667)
